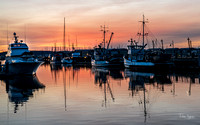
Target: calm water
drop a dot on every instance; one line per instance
(85, 95)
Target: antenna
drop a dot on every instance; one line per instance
(55, 46)
(172, 44)
(162, 44)
(189, 43)
(153, 44)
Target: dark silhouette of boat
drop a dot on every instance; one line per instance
(21, 89)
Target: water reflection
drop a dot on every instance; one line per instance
(21, 88)
(101, 78)
(81, 94)
(191, 78)
(137, 82)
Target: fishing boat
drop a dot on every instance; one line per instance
(56, 58)
(19, 60)
(102, 56)
(79, 58)
(136, 58)
(99, 58)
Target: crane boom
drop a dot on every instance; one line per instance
(110, 40)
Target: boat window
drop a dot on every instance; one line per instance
(19, 45)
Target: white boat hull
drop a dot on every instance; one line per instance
(136, 64)
(22, 68)
(67, 61)
(99, 63)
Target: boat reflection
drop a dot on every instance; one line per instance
(102, 78)
(137, 87)
(137, 80)
(20, 89)
(59, 69)
(55, 68)
(140, 85)
(185, 77)
(69, 74)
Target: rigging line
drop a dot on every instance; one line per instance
(147, 42)
(158, 44)
(139, 31)
(150, 32)
(138, 39)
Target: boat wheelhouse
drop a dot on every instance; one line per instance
(19, 60)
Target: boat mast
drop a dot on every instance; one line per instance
(104, 35)
(76, 41)
(143, 31)
(103, 28)
(143, 24)
(69, 41)
(64, 36)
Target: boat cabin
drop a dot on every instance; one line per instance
(136, 52)
(17, 48)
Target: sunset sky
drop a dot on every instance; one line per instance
(42, 21)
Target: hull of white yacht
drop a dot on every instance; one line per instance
(99, 63)
(22, 68)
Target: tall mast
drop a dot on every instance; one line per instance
(76, 41)
(104, 35)
(64, 36)
(143, 32)
(69, 41)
